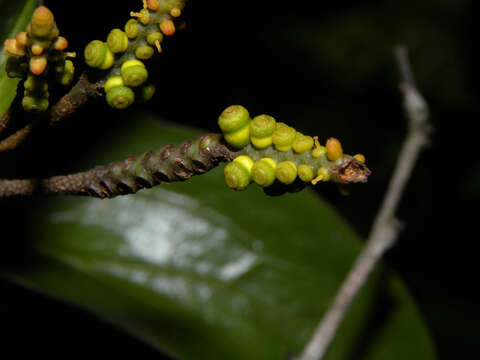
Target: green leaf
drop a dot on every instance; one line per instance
(15, 17)
(204, 272)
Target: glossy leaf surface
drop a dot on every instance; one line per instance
(204, 272)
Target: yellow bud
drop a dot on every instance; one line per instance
(144, 52)
(305, 173)
(131, 28)
(360, 157)
(323, 174)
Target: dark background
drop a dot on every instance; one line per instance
(328, 69)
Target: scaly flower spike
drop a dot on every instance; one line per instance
(275, 155)
(36, 54)
(125, 52)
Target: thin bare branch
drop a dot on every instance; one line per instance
(385, 227)
(16, 139)
(79, 95)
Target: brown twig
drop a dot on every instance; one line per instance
(151, 168)
(385, 227)
(79, 95)
(16, 139)
(5, 119)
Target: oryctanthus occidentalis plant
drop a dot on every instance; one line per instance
(271, 151)
(272, 154)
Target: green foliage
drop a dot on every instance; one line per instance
(207, 273)
(18, 14)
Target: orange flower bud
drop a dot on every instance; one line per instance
(153, 4)
(13, 48)
(61, 43)
(167, 27)
(38, 64)
(22, 38)
(334, 149)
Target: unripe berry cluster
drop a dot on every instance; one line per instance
(271, 151)
(125, 51)
(36, 54)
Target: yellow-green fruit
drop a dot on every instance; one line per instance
(117, 41)
(262, 128)
(120, 97)
(144, 52)
(286, 172)
(154, 37)
(131, 28)
(238, 172)
(280, 125)
(98, 55)
(319, 151)
(263, 172)
(334, 149)
(303, 144)
(305, 173)
(235, 125)
(283, 138)
(35, 104)
(145, 93)
(134, 73)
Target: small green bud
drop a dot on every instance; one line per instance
(66, 77)
(262, 128)
(238, 173)
(154, 37)
(98, 55)
(235, 125)
(263, 172)
(117, 41)
(144, 52)
(120, 97)
(305, 173)
(286, 172)
(145, 93)
(303, 144)
(283, 138)
(134, 73)
(131, 28)
(35, 104)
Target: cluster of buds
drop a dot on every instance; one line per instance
(125, 51)
(272, 152)
(36, 54)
